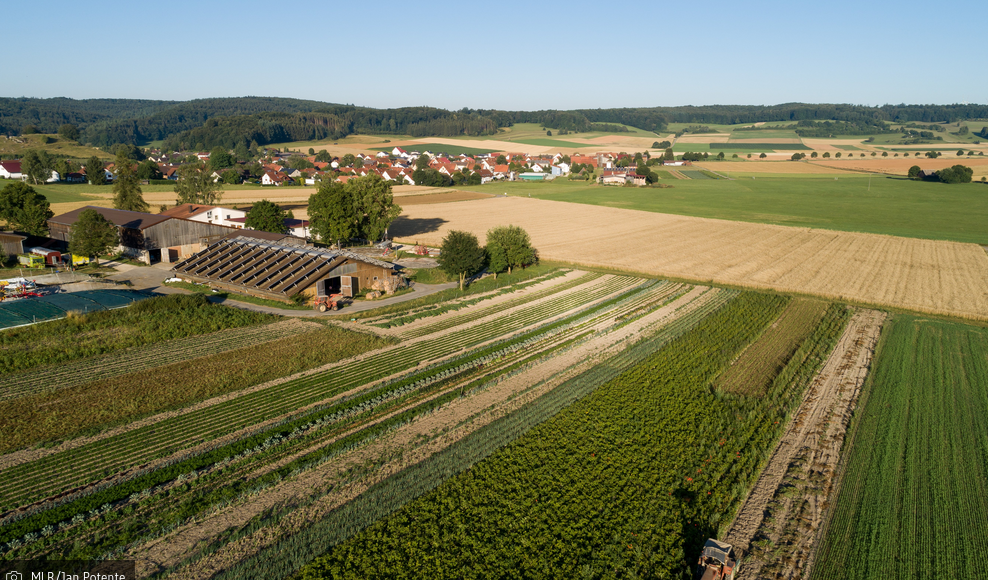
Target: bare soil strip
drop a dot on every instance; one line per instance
(777, 524)
(418, 440)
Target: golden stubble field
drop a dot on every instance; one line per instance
(923, 275)
(901, 165)
(769, 166)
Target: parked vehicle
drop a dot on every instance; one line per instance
(31, 261)
(717, 562)
(52, 258)
(331, 302)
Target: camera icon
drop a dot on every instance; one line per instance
(14, 575)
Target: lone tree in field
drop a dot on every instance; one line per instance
(914, 171)
(195, 185)
(266, 216)
(92, 235)
(127, 194)
(461, 255)
(95, 171)
(509, 247)
(24, 209)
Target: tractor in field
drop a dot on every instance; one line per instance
(717, 562)
(330, 302)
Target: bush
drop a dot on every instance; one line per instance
(956, 174)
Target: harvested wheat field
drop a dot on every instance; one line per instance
(901, 165)
(443, 197)
(774, 167)
(488, 145)
(923, 275)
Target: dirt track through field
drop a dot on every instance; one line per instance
(807, 454)
(930, 276)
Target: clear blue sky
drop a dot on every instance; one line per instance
(504, 55)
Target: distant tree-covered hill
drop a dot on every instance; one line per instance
(230, 121)
(331, 122)
(47, 115)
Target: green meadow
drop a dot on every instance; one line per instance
(893, 206)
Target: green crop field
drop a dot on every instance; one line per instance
(891, 206)
(737, 135)
(734, 145)
(62, 193)
(914, 497)
(625, 482)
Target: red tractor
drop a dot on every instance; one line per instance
(717, 562)
(331, 302)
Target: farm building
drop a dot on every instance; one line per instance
(210, 214)
(281, 271)
(149, 237)
(532, 176)
(12, 244)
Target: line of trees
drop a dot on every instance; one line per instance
(507, 247)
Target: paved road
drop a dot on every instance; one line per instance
(150, 278)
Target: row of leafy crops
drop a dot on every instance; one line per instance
(478, 313)
(80, 465)
(65, 375)
(625, 481)
(144, 322)
(484, 285)
(913, 498)
(456, 305)
(101, 404)
(218, 478)
(285, 557)
(753, 371)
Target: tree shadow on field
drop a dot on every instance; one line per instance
(404, 227)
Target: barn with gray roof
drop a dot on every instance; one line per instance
(281, 271)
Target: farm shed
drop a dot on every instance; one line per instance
(144, 236)
(281, 271)
(12, 244)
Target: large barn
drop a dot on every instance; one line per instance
(150, 237)
(281, 271)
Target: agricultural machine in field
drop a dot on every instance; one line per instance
(330, 302)
(717, 562)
